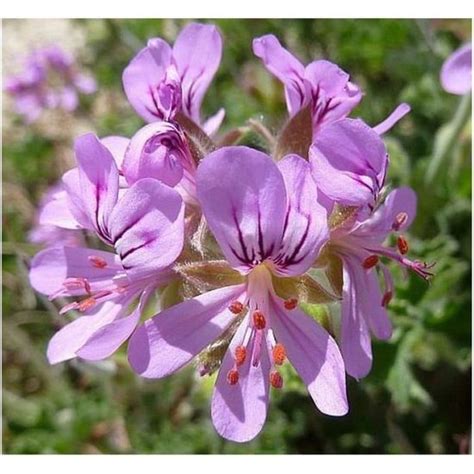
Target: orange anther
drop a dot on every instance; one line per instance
(86, 304)
(276, 379)
(240, 355)
(236, 307)
(370, 262)
(279, 354)
(97, 262)
(400, 220)
(259, 320)
(290, 303)
(387, 297)
(232, 376)
(402, 245)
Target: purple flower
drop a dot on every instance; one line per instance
(270, 227)
(321, 84)
(456, 73)
(160, 150)
(55, 224)
(161, 81)
(49, 80)
(351, 174)
(144, 224)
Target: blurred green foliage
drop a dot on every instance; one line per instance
(417, 398)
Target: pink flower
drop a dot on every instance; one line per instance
(269, 225)
(161, 81)
(143, 224)
(456, 73)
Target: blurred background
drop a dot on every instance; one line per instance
(417, 399)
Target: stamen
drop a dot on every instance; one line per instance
(400, 220)
(77, 284)
(86, 304)
(387, 297)
(97, 262)
(236, 307)
(290, 303)
(240, 355)
(259, 320)
(370, 262)
(279, 354)
(276, 380)
(68, 307)
(402, 245)
(232, 376)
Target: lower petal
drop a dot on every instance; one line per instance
(355, 337)
(239, 411)
(66, 343)
(169, 340)
(315, 356)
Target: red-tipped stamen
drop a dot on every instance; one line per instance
(402, 245)
(236, 307)
(276, 379)
(370, 262)
(279, 354)
(259, 321)
(290, 303)
(240, 355)
(400, 220)
(232, 376)
(387, 297)
(97, 262)
(86, 304)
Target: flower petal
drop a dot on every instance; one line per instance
(400, 112)
(349, 161)
(239, 411)
(98, 182)
(147, 227)
(143, 75)
(107, 339)
(169, 340)
(66, 343)
(283, 65)
(400, 201)
(197, 52)
(51, 267)
(56, 211)
(306, 229)
(315, 356)
(355, 341)
(333, 94)
(456, 73)
(158, 151)
(243, 197)
(117, 146)
(212, 124)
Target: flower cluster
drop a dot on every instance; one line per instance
(222, 244)
(49, 79)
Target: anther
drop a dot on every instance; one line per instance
(387, 297)
(236, 307)
(290, 303)
(97, 262)
(259, 320)
(240, 355)
(276, 379)
(402, 245)
(370, 262)
(400, 220)
(279, 354)
(86, 304)
(77, 284)
(232, 376)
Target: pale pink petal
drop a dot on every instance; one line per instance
(239, 411)
(315, 356)
(456, 73)
(169, 340)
